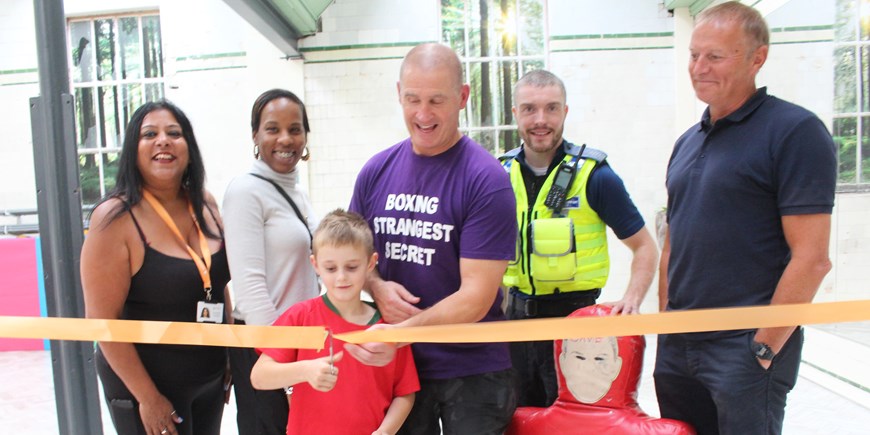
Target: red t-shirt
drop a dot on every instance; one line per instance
(362, 394)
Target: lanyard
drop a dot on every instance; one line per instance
(202, 264)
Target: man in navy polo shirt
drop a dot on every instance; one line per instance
(750, 194)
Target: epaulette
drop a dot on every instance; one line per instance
(510, 154)
(589, 153)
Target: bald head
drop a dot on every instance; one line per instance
(432, 94)
(431, 57)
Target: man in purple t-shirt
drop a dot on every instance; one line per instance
(441, 209)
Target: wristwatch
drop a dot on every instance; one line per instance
(762, 351)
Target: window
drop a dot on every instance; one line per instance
(116, 65)
(851, 127)
(497, 41)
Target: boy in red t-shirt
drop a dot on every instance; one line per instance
(366, 400)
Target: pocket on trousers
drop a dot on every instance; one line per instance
(125, 416)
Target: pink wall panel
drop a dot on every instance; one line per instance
(19, 287)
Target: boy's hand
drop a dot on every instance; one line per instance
(322, 375)
(382, 432)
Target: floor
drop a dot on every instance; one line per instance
(831, 397)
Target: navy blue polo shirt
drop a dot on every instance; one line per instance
(729, 184)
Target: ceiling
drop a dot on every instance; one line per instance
(282, 22)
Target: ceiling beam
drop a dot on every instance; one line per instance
(270, 23)
(303, 15)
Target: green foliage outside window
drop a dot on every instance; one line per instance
(498, 41)
(851, 129)
(116, 66)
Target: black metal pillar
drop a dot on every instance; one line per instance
(60, 221)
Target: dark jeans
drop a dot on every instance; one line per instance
(718, 386)
(471, 405)
(533, 360)
(259, 412)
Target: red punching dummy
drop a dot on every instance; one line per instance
(598, 380)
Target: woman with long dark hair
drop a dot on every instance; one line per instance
(155, 252)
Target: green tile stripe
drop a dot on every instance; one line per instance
(354, 59)
(211, 56)
(571, 50)
(667, 47)
(863, 388)
(808, 41)
(611, 36)
(802, 28)
(360, 46)
(18, 71)
(668, 34)
(216, 68)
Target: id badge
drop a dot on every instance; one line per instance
(208, 312)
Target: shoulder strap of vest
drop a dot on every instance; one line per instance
(588, 153)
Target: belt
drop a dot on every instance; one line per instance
(523, 306)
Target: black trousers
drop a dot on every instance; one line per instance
(477, 404)
(259, 412)
(201, 404)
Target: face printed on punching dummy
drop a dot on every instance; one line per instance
(589, 366)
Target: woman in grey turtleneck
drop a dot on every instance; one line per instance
(268, 245)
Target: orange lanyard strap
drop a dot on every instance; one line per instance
(202, 264)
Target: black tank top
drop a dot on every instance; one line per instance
(168, 288)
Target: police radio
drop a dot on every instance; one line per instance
(561, 183)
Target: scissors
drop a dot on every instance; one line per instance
(331, 355)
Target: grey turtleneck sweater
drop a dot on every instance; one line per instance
(267, 245)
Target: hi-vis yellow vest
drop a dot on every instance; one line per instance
(590, 237)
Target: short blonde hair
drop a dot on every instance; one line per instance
(750, 20)
(540, 78)
(343, 228)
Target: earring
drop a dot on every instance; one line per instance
(256, 151)
(306, 154)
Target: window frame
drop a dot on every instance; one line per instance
(128, 93)
(860, 116)
(520, 62)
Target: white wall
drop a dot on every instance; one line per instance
(589, 17)
(18, 83)
(351, 71)
(360, 22)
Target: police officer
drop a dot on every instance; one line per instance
(565, 196)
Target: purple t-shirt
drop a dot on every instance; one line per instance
(427, 213)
